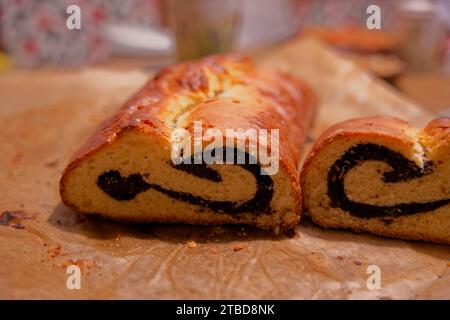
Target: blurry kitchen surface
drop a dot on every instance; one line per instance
(411, 51)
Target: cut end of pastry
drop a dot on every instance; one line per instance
(382, 176)
(126, 171)
(134, 179)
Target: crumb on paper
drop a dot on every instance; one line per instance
(85, 265)
(192, 244)
(54, 250)
(358, 263)
(238, 247)
(340, 258)
(14, 218)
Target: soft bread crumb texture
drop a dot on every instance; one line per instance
(135, 152)
(221, 92)
(364, 183)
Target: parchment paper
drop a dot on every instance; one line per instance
(47, 115)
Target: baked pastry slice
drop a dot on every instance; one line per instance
(382, 176)
(139, 165)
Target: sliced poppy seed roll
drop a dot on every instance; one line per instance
(127, 170)
(382, 176)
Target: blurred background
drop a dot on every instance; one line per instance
(411, 50)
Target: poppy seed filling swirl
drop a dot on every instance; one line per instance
(127, 188)
(402, 170)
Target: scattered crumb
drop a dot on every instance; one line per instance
(54, 250)
(192, 244)
(358, 263)
(340, 258)
(448, 264)
(84, 264)
(238, 247)
(6, 218)
(118, 237)
(14, 218)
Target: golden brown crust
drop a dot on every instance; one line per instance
(267, 100)
(372, 126)
(438, 130)
(437, 134)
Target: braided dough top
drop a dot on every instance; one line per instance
(222, 92)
